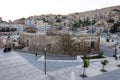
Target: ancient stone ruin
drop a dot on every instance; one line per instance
(62, 44)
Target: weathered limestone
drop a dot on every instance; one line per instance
(1, 43)
(69, 45)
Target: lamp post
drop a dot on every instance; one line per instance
(115, 53)
(45, 61)
(89, 53)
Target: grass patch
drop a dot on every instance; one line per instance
(92, 57)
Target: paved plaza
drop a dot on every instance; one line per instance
(23, 66)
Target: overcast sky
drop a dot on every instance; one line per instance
(14, 9)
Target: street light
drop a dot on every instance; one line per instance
(115, 53)
(45, 60)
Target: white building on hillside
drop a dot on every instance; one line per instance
(41, 26)
(30, 22)
(18, 27)
(10, 29)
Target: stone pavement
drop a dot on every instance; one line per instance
(93, 71)
(15, 67)
(114, 75)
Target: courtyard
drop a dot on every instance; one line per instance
(23, 66)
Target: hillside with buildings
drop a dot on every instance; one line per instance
(61, 21)
(94, 21)
(77, 46)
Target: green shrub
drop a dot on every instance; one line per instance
(112, 40)
(107, 40)
(100, 55)
(104, 63)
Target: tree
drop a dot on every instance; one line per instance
(13, 29)
(85, 65)
(115, 27)
(85, 22)
(7, 29)
(44, 20)
(77, 24)
(110, 20)
(104, 63)
(100, 55)
(2, 29)
(119, 63)
(59, 28)
(117, 10)
(88, 22)
(107, 39)
(80, 22)
(93, 21)
(58, 20)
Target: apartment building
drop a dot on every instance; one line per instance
(10, 29)
(41, 26)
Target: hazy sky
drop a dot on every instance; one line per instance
(14, 9)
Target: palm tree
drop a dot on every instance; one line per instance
(104, 63)
(85, 65)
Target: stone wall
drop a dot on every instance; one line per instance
(79, 44)
(1, 43)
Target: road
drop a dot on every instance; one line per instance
(107, 51)
(51, 65)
